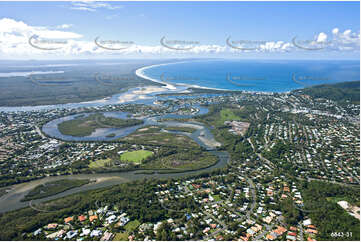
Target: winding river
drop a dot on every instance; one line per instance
(12, 200)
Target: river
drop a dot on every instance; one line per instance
(12, 200)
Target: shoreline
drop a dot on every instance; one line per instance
(140, 73)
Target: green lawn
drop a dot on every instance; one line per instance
(228, 115)
(132, 225)
(217, 198)
(99, 163)
(135, 156)
(181, 129)
(121, 237)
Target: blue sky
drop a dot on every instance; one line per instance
(208, 23)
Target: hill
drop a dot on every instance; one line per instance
(340, 92)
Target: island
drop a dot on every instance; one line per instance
(85, 125)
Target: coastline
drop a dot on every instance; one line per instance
(140, 73)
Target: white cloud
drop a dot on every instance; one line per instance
(91, 6)
(64, 26)
(322, 37)
(83, 9)
(335, 31)
(14, 42)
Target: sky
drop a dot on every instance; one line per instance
(266, 30)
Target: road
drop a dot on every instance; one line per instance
(254, 197)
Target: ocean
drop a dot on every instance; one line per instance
(255, 75)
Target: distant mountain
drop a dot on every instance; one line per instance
(340, 92)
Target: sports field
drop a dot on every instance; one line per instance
(135, 156)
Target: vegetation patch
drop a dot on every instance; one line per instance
(322, 211)
(181, 129)
(132, 225)
(121, 237)
(53, 187)
(160, 139)
(217, 198)
(136, 156)
(341, 92)
(100, 163)
(85, 126)
(180, 159)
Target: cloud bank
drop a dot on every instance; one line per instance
(15, 35)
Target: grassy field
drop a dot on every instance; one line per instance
(182, 129)
(147, 137)
(99, 163)
(52, 188)
(228, 115)
(132, 225)
(135, 156)
(217, 198)
(84, 126)
(121, 237)
(185, 159)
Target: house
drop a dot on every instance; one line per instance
(312, 231)
(111, 219)
(68, 219)
(220, 237)
(107, 236)
(292, 228)
(307, 222)
(311, 226)
(251, 231)
(95, 233)
(93, 217)
(52, 236)
(85, 232)
(37, 232)
(290, 237)
(292, 233)
(206, 230)
(71, 234)
(280, 230)
(267, 219)
(81, 218)
(245, 238)
(52, 226)
(270, 237)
